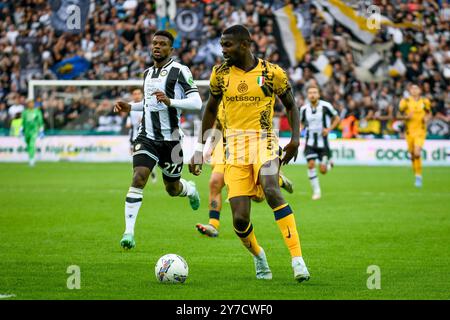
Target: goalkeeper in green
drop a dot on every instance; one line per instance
(32, 127)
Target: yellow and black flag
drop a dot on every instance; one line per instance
(289, 35)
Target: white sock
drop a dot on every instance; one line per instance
(314, 180)
(132, 204)
(188, 189)
(296, 260)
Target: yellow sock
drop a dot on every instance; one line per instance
(418, 170)
(214, 217)
(280, 181)
(248, 239)
(215, 223)
(414, 165)
(286, 222)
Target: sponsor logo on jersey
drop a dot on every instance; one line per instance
(243, 99)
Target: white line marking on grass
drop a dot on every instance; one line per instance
(6, 296)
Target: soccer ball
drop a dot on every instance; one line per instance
(171, 268)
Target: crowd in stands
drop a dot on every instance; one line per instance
(116, 42)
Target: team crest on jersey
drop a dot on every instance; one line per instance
(260, 80)
(242, 87)
(163, 73)
(137, 147)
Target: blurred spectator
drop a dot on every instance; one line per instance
(17, 107)
(16, 125)
(4, 120)
(108, 121)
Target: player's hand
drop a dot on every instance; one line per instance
(290, 151)
(195, 165)
(161, 97)
(325, 132)
(121, 106)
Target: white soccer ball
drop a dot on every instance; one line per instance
(171, 268)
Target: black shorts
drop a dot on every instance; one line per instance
(167, 154)
(312, 153)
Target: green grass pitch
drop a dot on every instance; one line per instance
(61, 214)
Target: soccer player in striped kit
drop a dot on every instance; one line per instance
(168, 90)
(318, 117)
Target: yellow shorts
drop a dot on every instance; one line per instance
(245, 158)
(242, 180)
(415, 140)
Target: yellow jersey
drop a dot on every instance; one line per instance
(248, 100)
(418, 108)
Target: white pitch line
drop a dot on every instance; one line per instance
(6, 296)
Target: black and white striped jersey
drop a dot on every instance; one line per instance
(314, 120)
(160, 122)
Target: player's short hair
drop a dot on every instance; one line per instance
(239, 31)
(135, 88)
(166, 34)
(312, 86)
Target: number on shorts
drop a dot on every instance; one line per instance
(167, 166)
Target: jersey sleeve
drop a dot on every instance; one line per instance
(186, 80)
(332, 112)
(214, 86)
(280, 81)
(403, 105)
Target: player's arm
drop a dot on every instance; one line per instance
(293, 115)
(334, 123)
(209, 118)
(122, 106)
(335, 119)
(216, 140)
(401, 111)
(192, 101)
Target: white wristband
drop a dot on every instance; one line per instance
(199, 147)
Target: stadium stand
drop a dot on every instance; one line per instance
(115, 45)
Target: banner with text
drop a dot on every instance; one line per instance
(117, 149)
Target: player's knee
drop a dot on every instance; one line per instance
(172, 189)
(311, 164)
(240, 222)
(323, 169)
(272, 193)
(139, 179)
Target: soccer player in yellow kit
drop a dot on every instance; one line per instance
(217, 182)
(248, 87)
(415, 111)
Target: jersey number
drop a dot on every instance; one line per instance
(174, 166)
